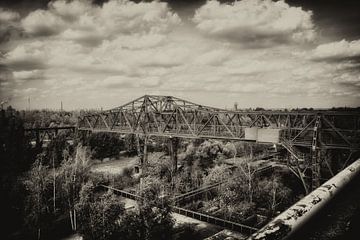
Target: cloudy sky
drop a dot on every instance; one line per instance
(92, 54)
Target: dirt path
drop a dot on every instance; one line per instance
(115, 166)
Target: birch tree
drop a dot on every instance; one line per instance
(38, 202)
(73, 174)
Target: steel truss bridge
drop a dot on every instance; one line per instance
(41, 134)
(309, 136)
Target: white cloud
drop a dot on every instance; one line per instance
(259, 21)
(116, 82)
(70, 10)
(28, 56)
(82, 20)
(43, 22)
(7, 16)
(337, 50)
(28, 75)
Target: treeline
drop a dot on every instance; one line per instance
(70, 195)
(16, 157)
(49, 193)
(49, 118)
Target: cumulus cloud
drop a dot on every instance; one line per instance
(121, 49)
(28, 56)
(341, 50)
(42, 23)
(262, 21)
(81, 20)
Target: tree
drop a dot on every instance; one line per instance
(16, 157)
(247, 178)
(105, 145)
(130, 144)
(55, 149)
(217, 174)
(73, 174)
(273, 193)
(99, 214)
(152, 221)
(38, 206)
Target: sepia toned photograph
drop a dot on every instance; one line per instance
(180, 119)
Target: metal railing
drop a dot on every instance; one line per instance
(122, 193)
(216, 221)
(196, 215)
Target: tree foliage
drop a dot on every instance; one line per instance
(38, 203)
(98, 213)
(105, 145)
(152, 221)
(273, 194)
(54, 152)
(16, 157)
(50, 118)
(73, 174)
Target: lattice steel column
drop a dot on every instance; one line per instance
(316, 155)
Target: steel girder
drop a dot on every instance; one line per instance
(39, 134)
(170, 116)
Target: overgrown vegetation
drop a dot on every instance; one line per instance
(53, 188)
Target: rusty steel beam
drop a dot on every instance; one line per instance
(291, 220)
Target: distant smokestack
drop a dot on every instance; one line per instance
(29, 103)
(61, 106)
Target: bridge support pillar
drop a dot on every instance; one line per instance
(142, 151)
(316, 155)
(37, 138)
(173, 146)
(145, 152)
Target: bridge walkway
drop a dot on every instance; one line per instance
(196, 215)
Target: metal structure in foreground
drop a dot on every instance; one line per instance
(291, 221)
(309, 136)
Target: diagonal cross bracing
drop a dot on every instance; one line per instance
(154, 115)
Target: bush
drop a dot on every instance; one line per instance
(105, 145)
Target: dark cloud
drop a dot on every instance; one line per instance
(348, 59)
(8, 33)
(26, 65)
(338, 19)
(5, 73)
